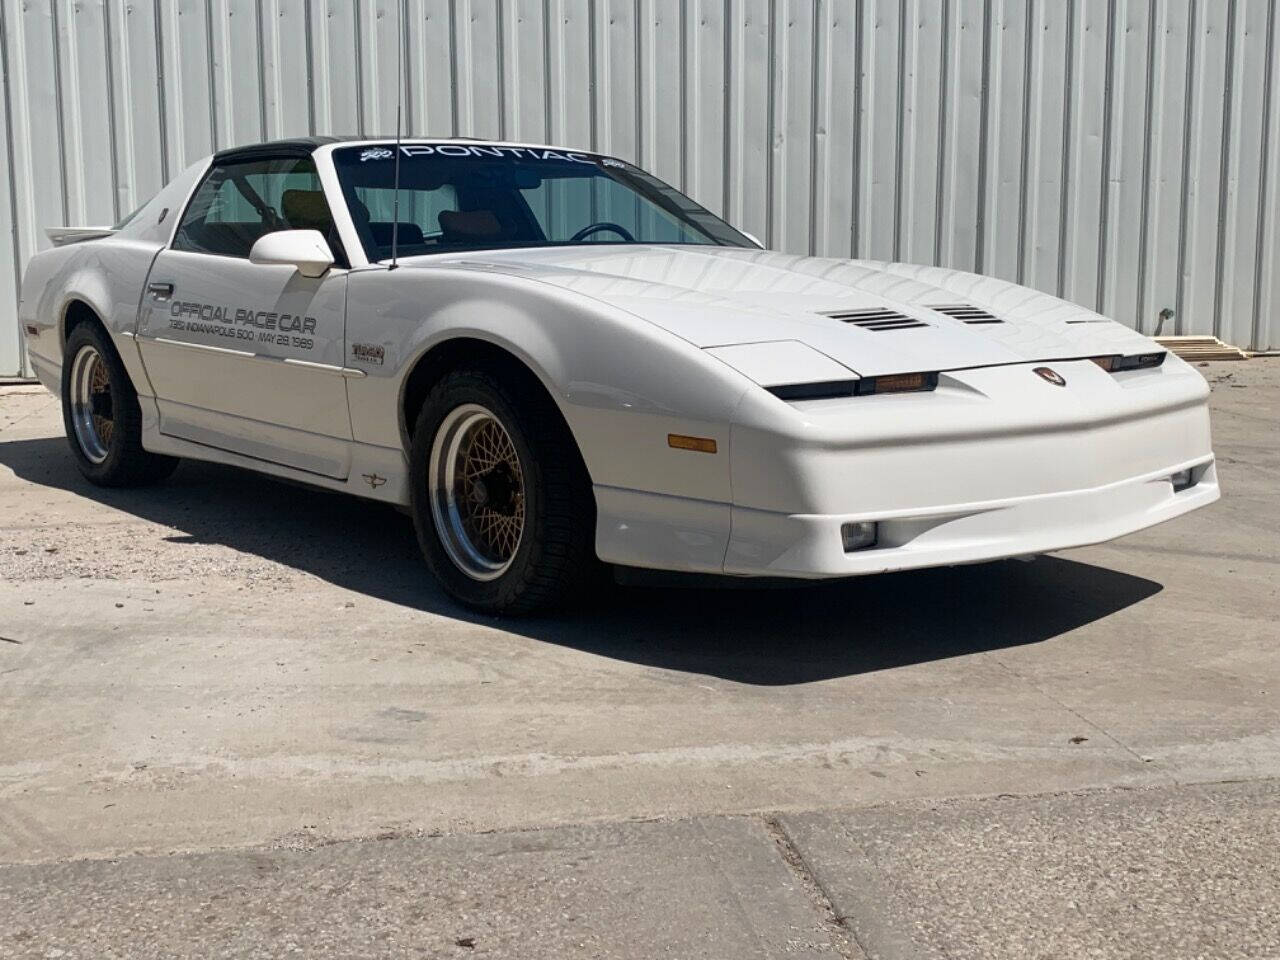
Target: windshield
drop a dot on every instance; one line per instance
(456, 196)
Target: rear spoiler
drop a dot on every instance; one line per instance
(62, 236)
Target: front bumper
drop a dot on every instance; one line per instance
(994, 463)
(764, 543)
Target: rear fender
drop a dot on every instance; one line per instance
(105, 275)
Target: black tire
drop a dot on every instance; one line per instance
(555, 558)
(116, 459)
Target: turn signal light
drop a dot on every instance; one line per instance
(828, 389)
(898, 383)
(1139, 361)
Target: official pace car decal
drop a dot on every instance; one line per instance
(240, 323)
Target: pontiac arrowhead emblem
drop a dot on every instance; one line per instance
(1050, 376)
(373, 480)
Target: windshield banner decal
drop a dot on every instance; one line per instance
(462, 150)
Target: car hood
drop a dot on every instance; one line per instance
(873, 318)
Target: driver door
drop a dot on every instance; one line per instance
(248, 357)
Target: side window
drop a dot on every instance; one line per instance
(239, 202)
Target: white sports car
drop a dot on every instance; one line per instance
(555, 360)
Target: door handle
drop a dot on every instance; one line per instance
(161, 291)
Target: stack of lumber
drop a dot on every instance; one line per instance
(1201, 348)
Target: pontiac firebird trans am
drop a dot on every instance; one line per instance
(558, 361)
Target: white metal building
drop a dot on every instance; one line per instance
(1121, 153)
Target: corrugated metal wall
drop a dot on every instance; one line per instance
(1122, 153)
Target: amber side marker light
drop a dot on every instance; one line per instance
(681, 442)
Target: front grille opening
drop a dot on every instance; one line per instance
(878, 320)
(967, 313)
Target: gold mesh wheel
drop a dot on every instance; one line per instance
(476, 487)
(92, 404)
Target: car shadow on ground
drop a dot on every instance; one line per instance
(768, 636)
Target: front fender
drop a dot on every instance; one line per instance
(622, 384)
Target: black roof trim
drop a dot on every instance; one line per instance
(298, 147)
(306, 146)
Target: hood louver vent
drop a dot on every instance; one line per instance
(878, 319)
(967, 314)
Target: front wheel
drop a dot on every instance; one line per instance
(101, 414)
(501, 501)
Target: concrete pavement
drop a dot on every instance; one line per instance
(705, 888)
(1157, 872)
(226, 662)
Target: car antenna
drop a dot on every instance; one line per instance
(395, 194)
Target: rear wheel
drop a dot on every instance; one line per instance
(501, 501)
(101, 414)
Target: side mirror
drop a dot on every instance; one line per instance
(306, 250)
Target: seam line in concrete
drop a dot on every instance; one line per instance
(865, 910)
(843, 937)
(1083, 719)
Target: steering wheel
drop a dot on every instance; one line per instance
(592, 229)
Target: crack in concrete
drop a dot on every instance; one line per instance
(843, 937)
